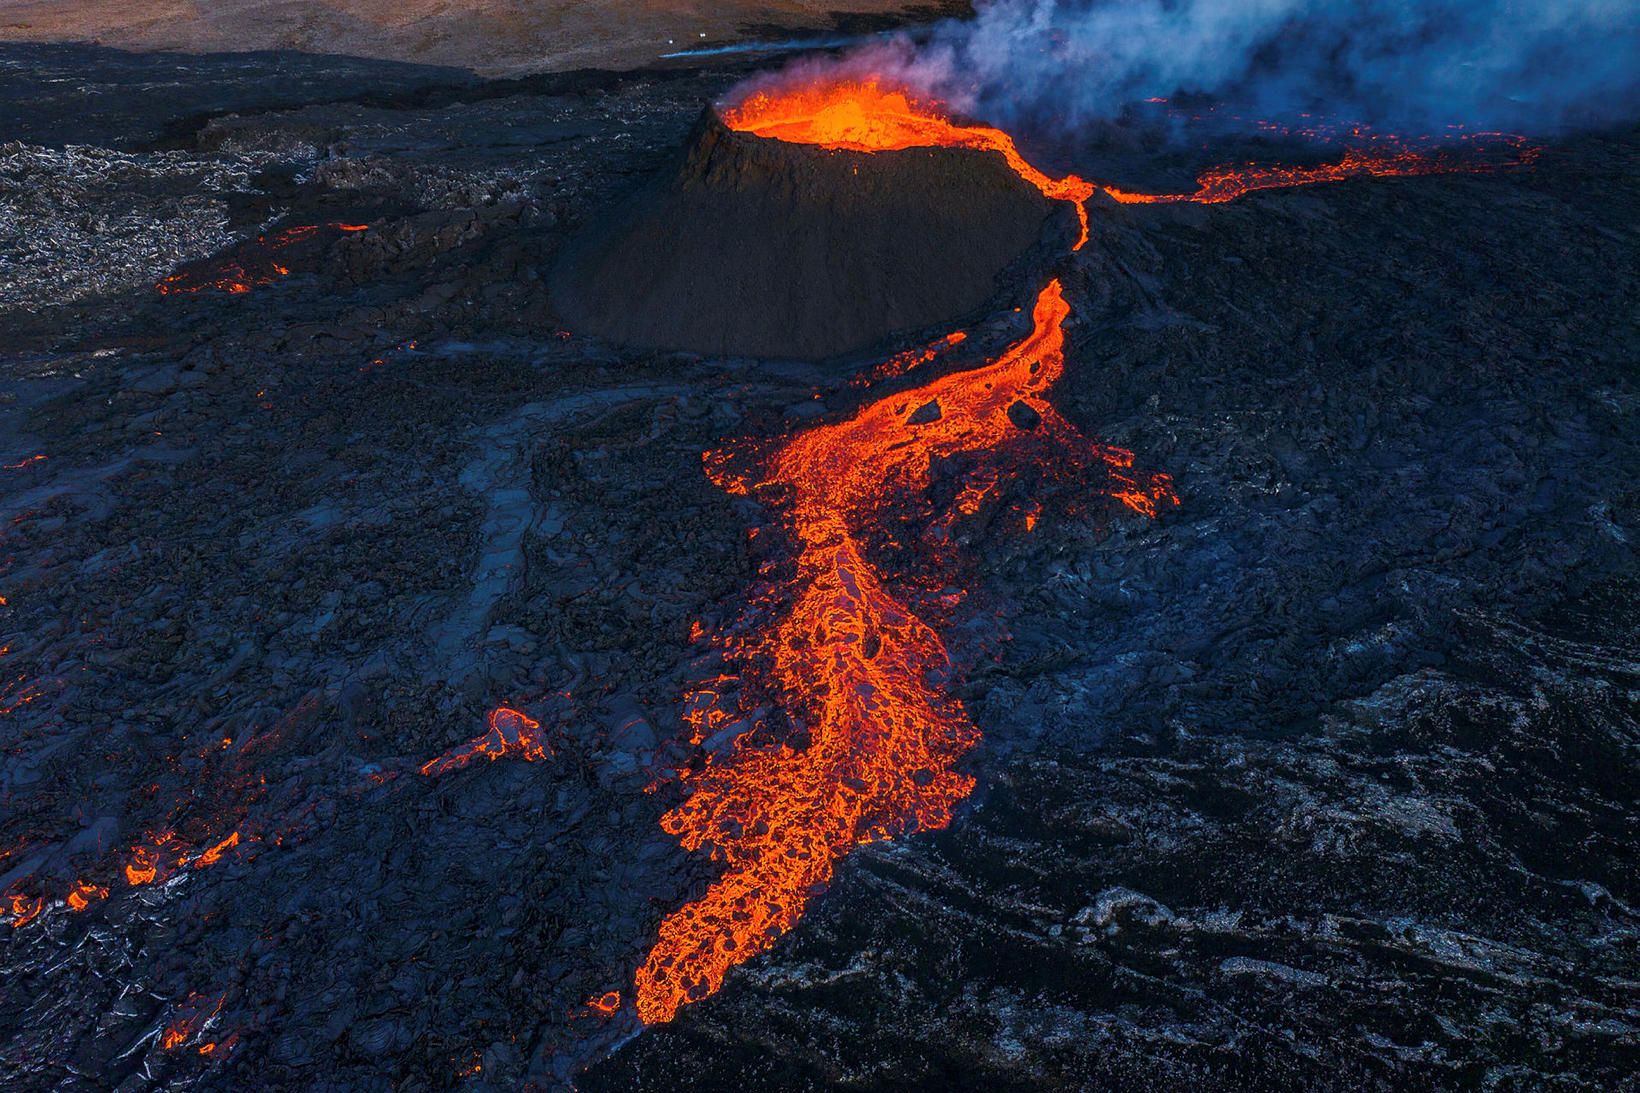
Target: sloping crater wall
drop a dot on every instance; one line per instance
(746, 246)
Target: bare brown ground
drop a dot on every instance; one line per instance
(493, 37)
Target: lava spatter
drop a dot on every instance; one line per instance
(193, 1016)
(853, 661)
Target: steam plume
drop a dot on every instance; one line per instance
(1532, 65)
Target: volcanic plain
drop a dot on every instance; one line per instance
(351, 595)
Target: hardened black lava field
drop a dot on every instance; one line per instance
(364, 620)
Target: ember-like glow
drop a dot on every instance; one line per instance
(157, 858)
(511, 733)
(22, 909)
(604, 1005)
(851, 660)
(39, 457)
(192, 1017)
(19, 692)
(214, 854)
(254, 265)
(84, 894)
(221, 1048)
(869, 116)
(902, 363)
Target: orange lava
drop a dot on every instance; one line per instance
(84, 894)
(143, 867)
(846, 653)
(1226, 183)
(854, 663)
(254, 266)
(867, 116)
(901, 363)
(511, 733)
(22, 909)
(155, 859)
(605, 1005)
(192, 1018)
(19, 692)
(214, 854)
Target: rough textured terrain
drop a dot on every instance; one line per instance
(495, 37)
(1325, 780)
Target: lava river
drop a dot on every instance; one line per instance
(852, 659)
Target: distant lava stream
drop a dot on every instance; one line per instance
(853, 662)
(865, 116)
(1386, 159)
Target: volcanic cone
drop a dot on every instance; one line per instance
(749, 246)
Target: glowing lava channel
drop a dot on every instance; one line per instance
(856, 665)
(1226, 183)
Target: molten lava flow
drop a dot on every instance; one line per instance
(1226, 183)
(874, 736)
(214, 854)
(154, 860)
(22, 909)
(866, 116)
(511, 733)
(853, 662)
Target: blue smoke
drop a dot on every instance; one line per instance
(1524, 65)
